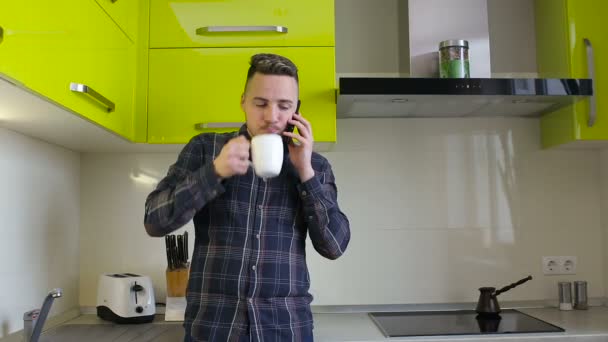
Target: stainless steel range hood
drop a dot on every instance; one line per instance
(422, 94)
(441, 97)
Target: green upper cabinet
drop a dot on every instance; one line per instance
(124, 13)
(54, 48)
(241, 23)
(199, 56)
(190, 89)
(563, 27)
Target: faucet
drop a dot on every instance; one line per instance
(33, 320)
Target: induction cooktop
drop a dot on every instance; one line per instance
(432, 323)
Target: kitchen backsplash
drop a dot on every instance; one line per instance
(437, 208)
(39, 222)
(604, 210)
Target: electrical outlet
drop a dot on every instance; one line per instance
(559, 265)
(550, 265)
(568, 265)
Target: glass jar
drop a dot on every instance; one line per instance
(454, 59)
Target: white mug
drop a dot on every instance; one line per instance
(267, 155)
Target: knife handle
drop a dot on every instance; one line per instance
(186, 256)
(180, 252)
(168, 252)
(174, 250)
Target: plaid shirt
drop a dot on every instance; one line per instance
(248, 273)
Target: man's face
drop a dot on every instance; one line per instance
(268, 102)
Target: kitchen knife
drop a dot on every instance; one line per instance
(169, 264)
(186, 255)
(174, 252)
(180, 252)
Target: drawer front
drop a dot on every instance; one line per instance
(188, 87)
(227, 23)
(46, 52)
(124, 13)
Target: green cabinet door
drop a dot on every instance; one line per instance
(192, 88)
(54, 44)
(125, 13)
(562, 28)
(204, 23)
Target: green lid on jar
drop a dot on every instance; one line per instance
(454, 42)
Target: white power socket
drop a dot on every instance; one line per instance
(558, 265)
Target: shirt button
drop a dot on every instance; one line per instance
(250, 300)
(213, 193)
(310, 217)
(304, 193)
(253, 267)
(260, 207)
(257, 236)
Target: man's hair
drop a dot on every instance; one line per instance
(271, 64)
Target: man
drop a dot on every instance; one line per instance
(248, 278)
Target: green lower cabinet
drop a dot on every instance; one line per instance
(562, 26)
(192, 88)
(53, 45)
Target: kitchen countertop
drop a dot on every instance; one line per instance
(582, 326)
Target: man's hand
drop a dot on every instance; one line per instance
(233, 159)
(300, 154)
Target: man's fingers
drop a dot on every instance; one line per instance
(302, 128)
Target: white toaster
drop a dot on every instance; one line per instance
(125, 298)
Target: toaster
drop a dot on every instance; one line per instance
(125, 298)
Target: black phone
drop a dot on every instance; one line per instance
(290, 128)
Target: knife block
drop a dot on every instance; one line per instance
(177, 281)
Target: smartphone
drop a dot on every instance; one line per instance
(290, 128)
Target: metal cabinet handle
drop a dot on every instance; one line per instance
(201, 31)
(83, 88)
(113, 1)
(208, 125)
(591, 75)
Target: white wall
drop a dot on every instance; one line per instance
(113, 238)
(604, 209)
(39, 223)
(438, 208)
(512, 38)
(367, 37)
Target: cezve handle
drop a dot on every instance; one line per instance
(508, 287)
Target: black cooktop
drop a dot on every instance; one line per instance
(430, 323)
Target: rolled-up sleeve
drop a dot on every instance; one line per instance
(328, 227)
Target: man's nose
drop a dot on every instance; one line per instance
(271, 114)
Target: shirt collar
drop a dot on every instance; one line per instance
(244, 132)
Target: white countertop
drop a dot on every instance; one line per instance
(580, 325)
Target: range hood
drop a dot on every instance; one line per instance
(442, 97)
(423, 94)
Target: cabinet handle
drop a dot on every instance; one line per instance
(1, 34)
(113, 1)
(201, 31)
(591, 75)
(208, 125)
(83, 88)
